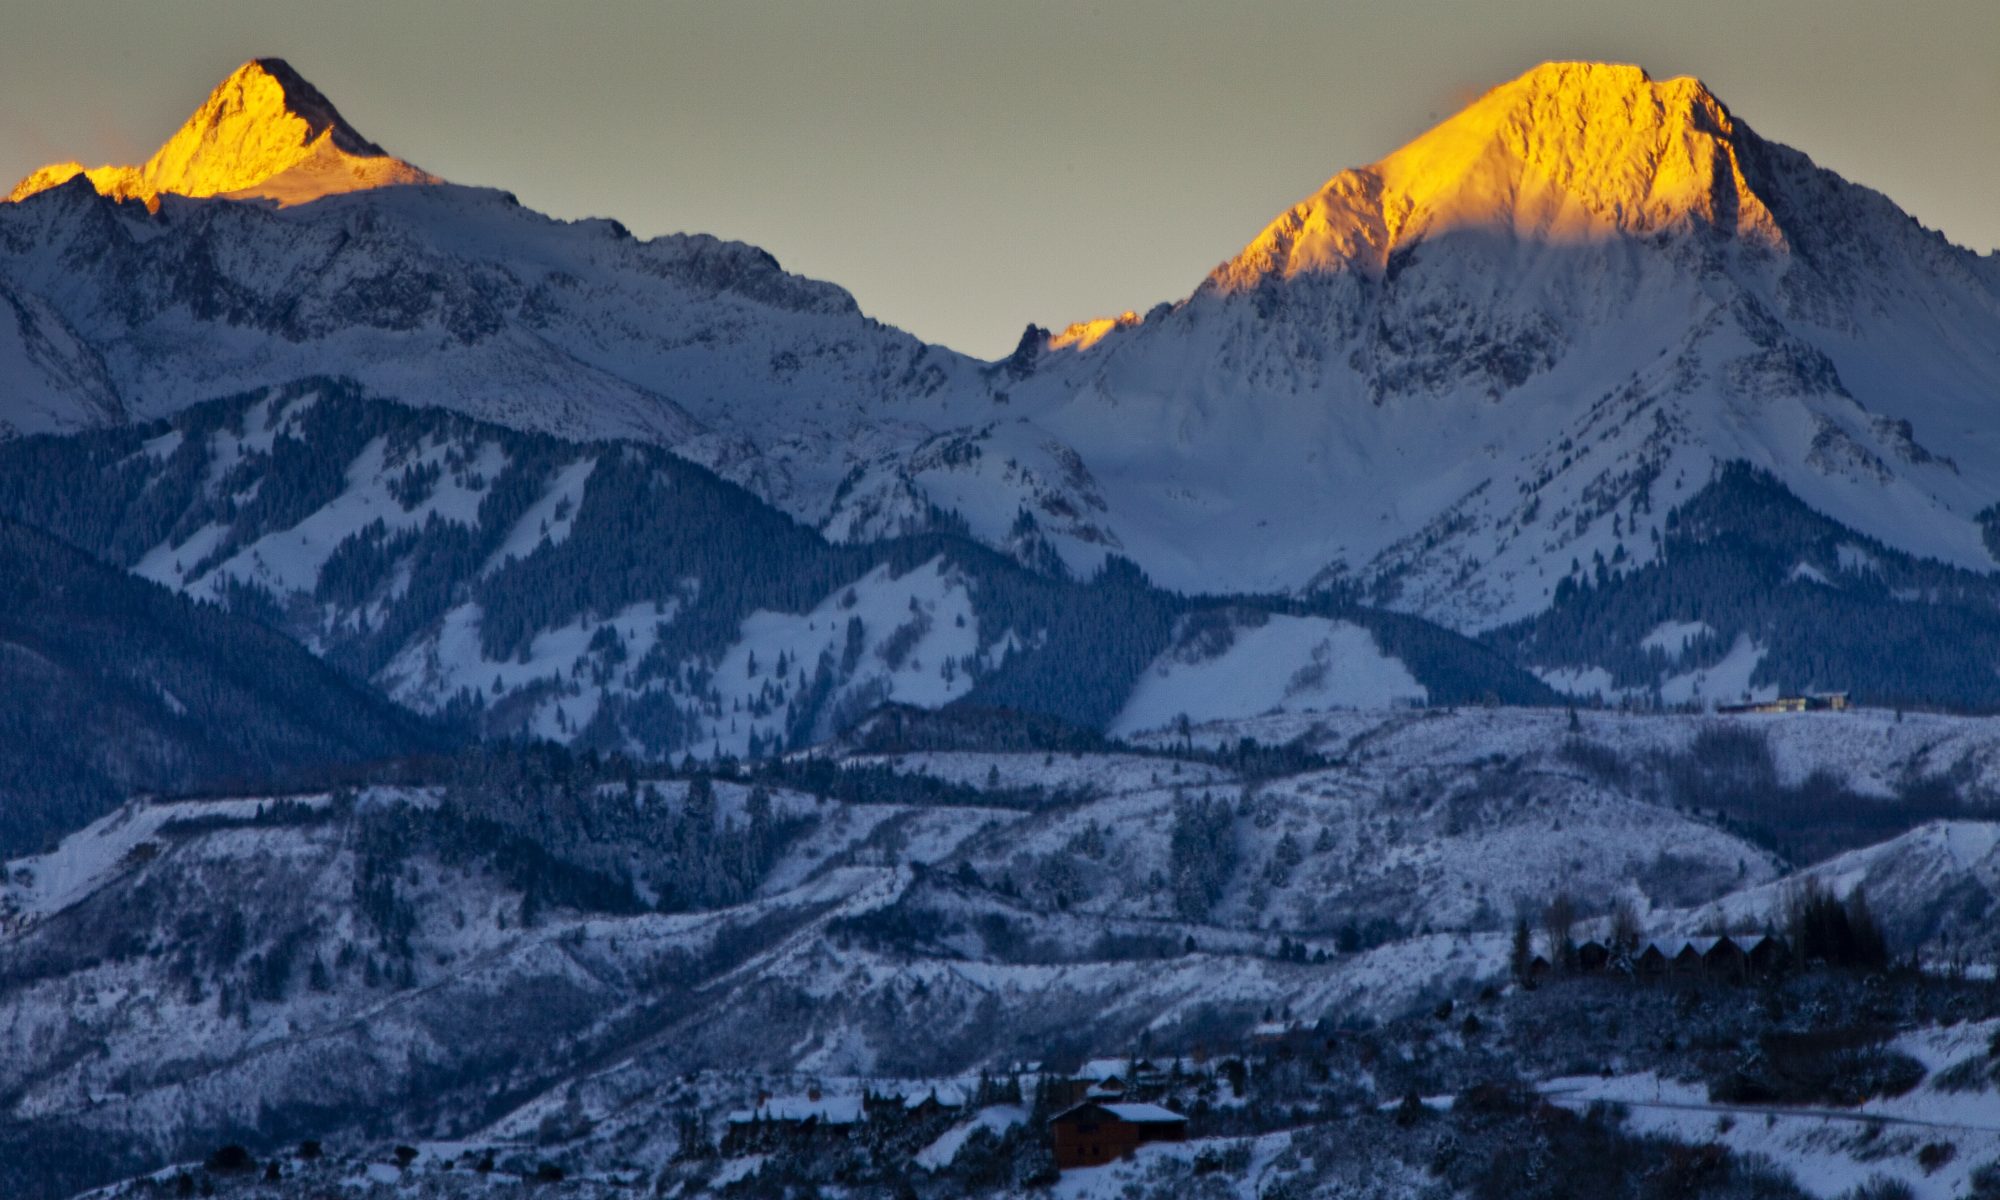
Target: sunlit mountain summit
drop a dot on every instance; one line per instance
(263, 133)
(1569, 152)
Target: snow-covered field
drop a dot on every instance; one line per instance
(1830, 1151)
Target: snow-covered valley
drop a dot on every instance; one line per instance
(606, 938)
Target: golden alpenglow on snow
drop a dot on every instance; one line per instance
(263, 133)
(1569, 152)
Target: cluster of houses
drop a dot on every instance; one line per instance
(775, 1120)
(1097, 1123)
(1100, 1122)
(1813, 702)
(1724, 957)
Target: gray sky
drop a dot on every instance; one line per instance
(966, 168)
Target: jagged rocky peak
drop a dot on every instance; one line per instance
(264, 132)
(1569, 152)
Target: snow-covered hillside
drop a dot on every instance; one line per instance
(1507, 351)
(1452, 379)
(614, 939)
(615, 596)
(275, 242)
(1250, 663)
(54, 381)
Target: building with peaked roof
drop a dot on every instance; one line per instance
(1094, 1133)
(1766, 953)
(777, 1119)
(1592, 955)
(1717, 957)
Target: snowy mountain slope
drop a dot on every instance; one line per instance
(1513, 346)
(1937, 886)
(1831, 1152)
(459, 297)
(50, 380)
(1752, 593)
(110, 685)
(1449, 380)
(363, 998)
(404, 922)
(1246, 664)
(613, 594)
(1874, 752)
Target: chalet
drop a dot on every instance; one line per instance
(930, 1101)
(933, 1102)
(1593, 956)
(1714, 957)
(1276, 1033)
(1109, 1079)
(1725, 959)
(1094, 1133)
(780, 1119)
(1765, 953)
(1692, 957)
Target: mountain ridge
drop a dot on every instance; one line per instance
(1594, 291)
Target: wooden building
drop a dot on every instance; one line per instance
(1692, 957)
(1766, 953)
(1713, 957)
(1725, 959)
(781, 1120)
(1094, 1133)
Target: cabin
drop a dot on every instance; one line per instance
(1593, 956)
(1692, 955)
(776, 1120)
(1766, 954)
(1725, 959)
(913, 1104)
(932, 1103)
(1095, 1132)
(1713, 957)
(1275, 1033)
(1108, 1079)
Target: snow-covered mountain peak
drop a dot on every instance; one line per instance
(1569, 153)
(265, 133)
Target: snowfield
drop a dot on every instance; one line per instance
(1284, 664)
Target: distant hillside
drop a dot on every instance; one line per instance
(109, 684)
(614, 596)
(1752, 592)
